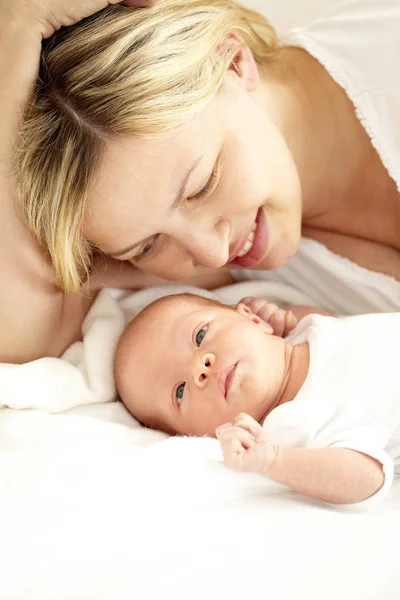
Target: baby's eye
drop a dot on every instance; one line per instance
(200, 335)
(179, 392)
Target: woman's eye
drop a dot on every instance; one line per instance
(146, 250)
(200, 335)
(179, 392)
(209, 185)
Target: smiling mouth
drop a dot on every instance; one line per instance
(253, 248)
(226, 378)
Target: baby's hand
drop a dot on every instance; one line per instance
(245, 445)
(282, 321)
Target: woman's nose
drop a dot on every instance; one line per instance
(209, 248)
(202, 368)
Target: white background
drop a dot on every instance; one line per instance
(285, 14)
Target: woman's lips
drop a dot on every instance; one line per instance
(260, 243)
(225, 379)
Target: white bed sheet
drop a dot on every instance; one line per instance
(94, 506)
(111, 511)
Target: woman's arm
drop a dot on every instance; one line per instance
(334, 475)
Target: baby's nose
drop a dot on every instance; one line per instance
(203, 368)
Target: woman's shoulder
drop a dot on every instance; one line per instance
(358, 43)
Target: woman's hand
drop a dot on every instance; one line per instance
(245, 446)
(50, 15)
(282, 321)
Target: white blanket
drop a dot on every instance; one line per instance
(94, 506)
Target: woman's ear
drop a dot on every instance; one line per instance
(245, 311)
(242, 64)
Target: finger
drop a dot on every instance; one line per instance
(290, 322)
(246, 299)
(277, 321)
(267, 311)
(233, 453)
(219, 432)
(244, 421)
(256, 304)
(236, 433)
(244, 437)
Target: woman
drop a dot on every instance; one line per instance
(184, 138)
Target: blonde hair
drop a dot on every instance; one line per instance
(123, 71)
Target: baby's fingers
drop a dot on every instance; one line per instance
(235, 442)
(290, 322)
(227, 433)
(235, 454)
(255, 304)
(277, 321)
(247, 423)
(267, 311)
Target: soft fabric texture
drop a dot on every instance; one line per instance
(358, 43)
(351, 395)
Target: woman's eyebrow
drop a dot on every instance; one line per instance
(180, 194)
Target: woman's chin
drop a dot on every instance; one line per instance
(278, 255)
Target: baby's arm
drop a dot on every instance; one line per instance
(334, 475)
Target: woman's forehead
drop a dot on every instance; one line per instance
(171, 152)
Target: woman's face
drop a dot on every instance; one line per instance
(222, 192)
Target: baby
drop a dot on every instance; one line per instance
(318, 410)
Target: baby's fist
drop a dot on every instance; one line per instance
(245, 446)
(282, 321)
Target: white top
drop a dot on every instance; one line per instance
(358, 42)
(351, 395)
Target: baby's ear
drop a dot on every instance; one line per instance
(245, 311)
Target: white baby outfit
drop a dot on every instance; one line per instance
(358, 43)
(351, 395)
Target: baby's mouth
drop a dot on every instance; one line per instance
(226, 378)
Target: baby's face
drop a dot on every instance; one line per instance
(188, 366)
